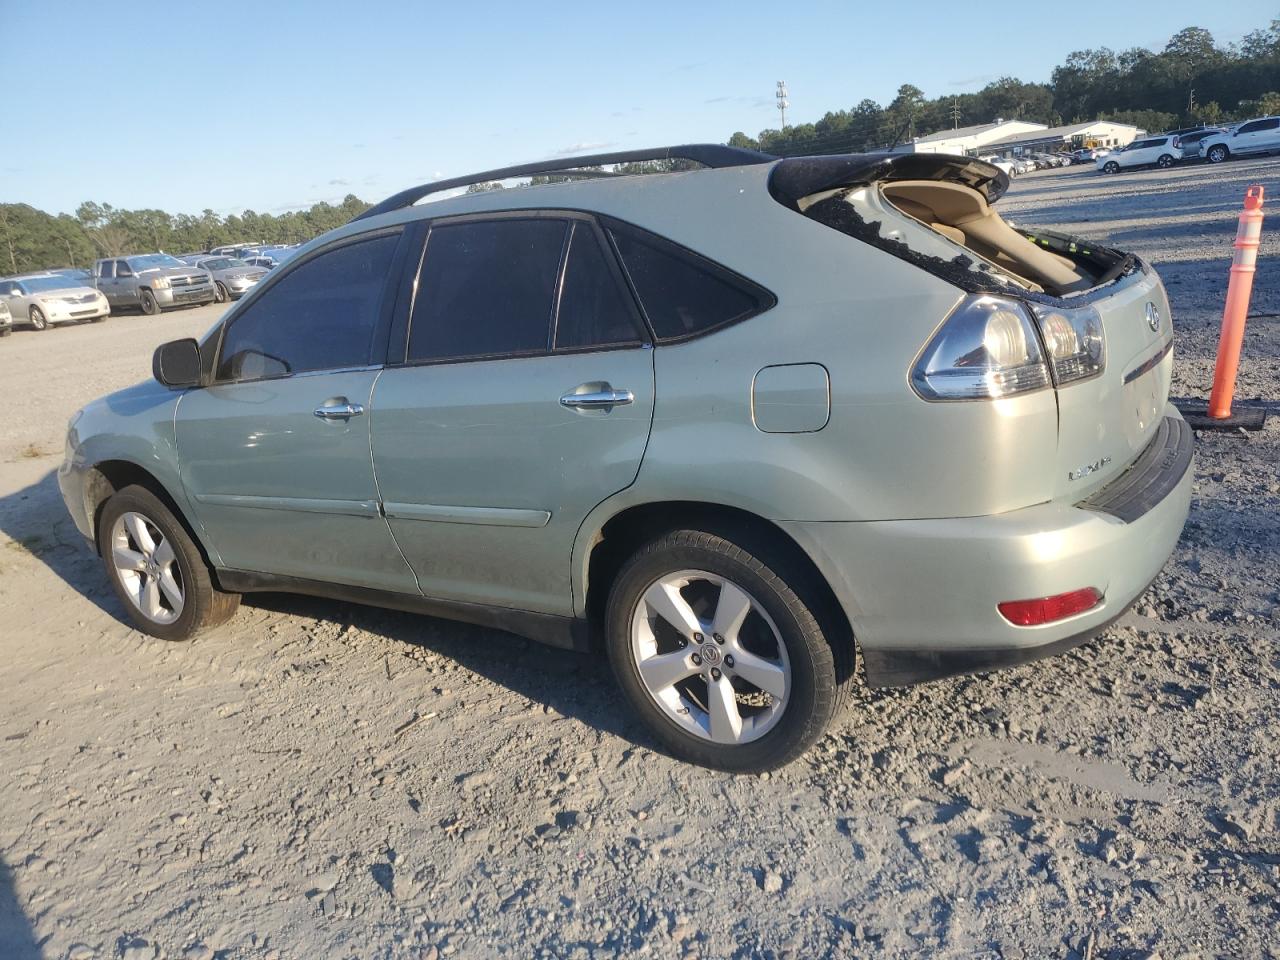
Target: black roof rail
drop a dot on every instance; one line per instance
(707, 154)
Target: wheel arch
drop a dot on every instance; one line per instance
(106, 477)
(608, 545)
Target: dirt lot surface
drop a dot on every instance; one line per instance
(317, 779)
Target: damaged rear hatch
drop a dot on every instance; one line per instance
(1098, 318)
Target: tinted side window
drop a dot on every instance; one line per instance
(123, 269)
(107, 268)
(486, 289)
(594, 311)
(683, 294)
(323, 315)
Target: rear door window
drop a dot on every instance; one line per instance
(486, 289)
(322, 315)
(594, 310)
(682, 293)
(107, 269)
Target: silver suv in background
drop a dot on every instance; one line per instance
(232, 278)
(730, 427)
(1251, 138)
(41, 300)
(152, 282)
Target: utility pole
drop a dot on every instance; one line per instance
(781, 96)
(1191, 103)
(955, 113)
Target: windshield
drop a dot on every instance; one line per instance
(37, 284)
(222, 263)
(154, 261)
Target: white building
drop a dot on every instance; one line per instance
(1099, 133)
(969, 141)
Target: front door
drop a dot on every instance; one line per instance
(525, 400)
(275, 454)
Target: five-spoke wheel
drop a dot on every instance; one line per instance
(710, 657)
(148, 568)
(727, 648)
(156, 569)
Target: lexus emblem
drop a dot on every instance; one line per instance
(1153, 317)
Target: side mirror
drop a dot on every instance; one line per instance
(176, 364)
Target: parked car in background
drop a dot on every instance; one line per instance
(271, 259)
(1146, 152)
(1251, 138)
(42, 300)
(1088, 154)
(1003, 164)
(153, 282)
(232, 278)
(231, 249)
(1188, 143)
(6, 320)
(79, 277)
(589, 420)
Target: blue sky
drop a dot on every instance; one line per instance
(274, 105)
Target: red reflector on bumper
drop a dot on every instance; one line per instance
(1032, 613)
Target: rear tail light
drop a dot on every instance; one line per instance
(1033, 613)
(985, 350)
(1074, 340)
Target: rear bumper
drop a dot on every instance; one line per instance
(921, 595)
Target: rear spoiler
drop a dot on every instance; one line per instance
(795, 178)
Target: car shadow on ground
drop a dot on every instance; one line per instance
(17, 939)
(36, 521)
(575, 685)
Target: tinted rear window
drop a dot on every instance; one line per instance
(683, 294)
(593, 309)
(486, 289)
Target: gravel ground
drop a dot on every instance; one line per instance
(319, 779)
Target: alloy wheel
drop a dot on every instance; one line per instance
(38, 321)
(148, 569)
(710, 657)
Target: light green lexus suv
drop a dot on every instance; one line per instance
(737, 424)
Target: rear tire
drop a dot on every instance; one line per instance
(37, 318)
(1165, 161)
(1111, 167)
(696, 688)
(148, 302)
(1218, 153)
(155, 568)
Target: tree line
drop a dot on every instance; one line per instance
(31, 239)
(1192, 80)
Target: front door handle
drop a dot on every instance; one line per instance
(606, 397)
(339, 410)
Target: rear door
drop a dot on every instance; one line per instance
(275, 454)
(524, 399)
(105, 271)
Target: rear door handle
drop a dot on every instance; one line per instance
(608, 397)
(336, 410)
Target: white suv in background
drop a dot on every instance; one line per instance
(1148, 152)
(1254, 137)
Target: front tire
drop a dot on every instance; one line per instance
(720, 651)
(220, 294)
(148, 302)
(155, 568)
(37, 318)
(1218, 153)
